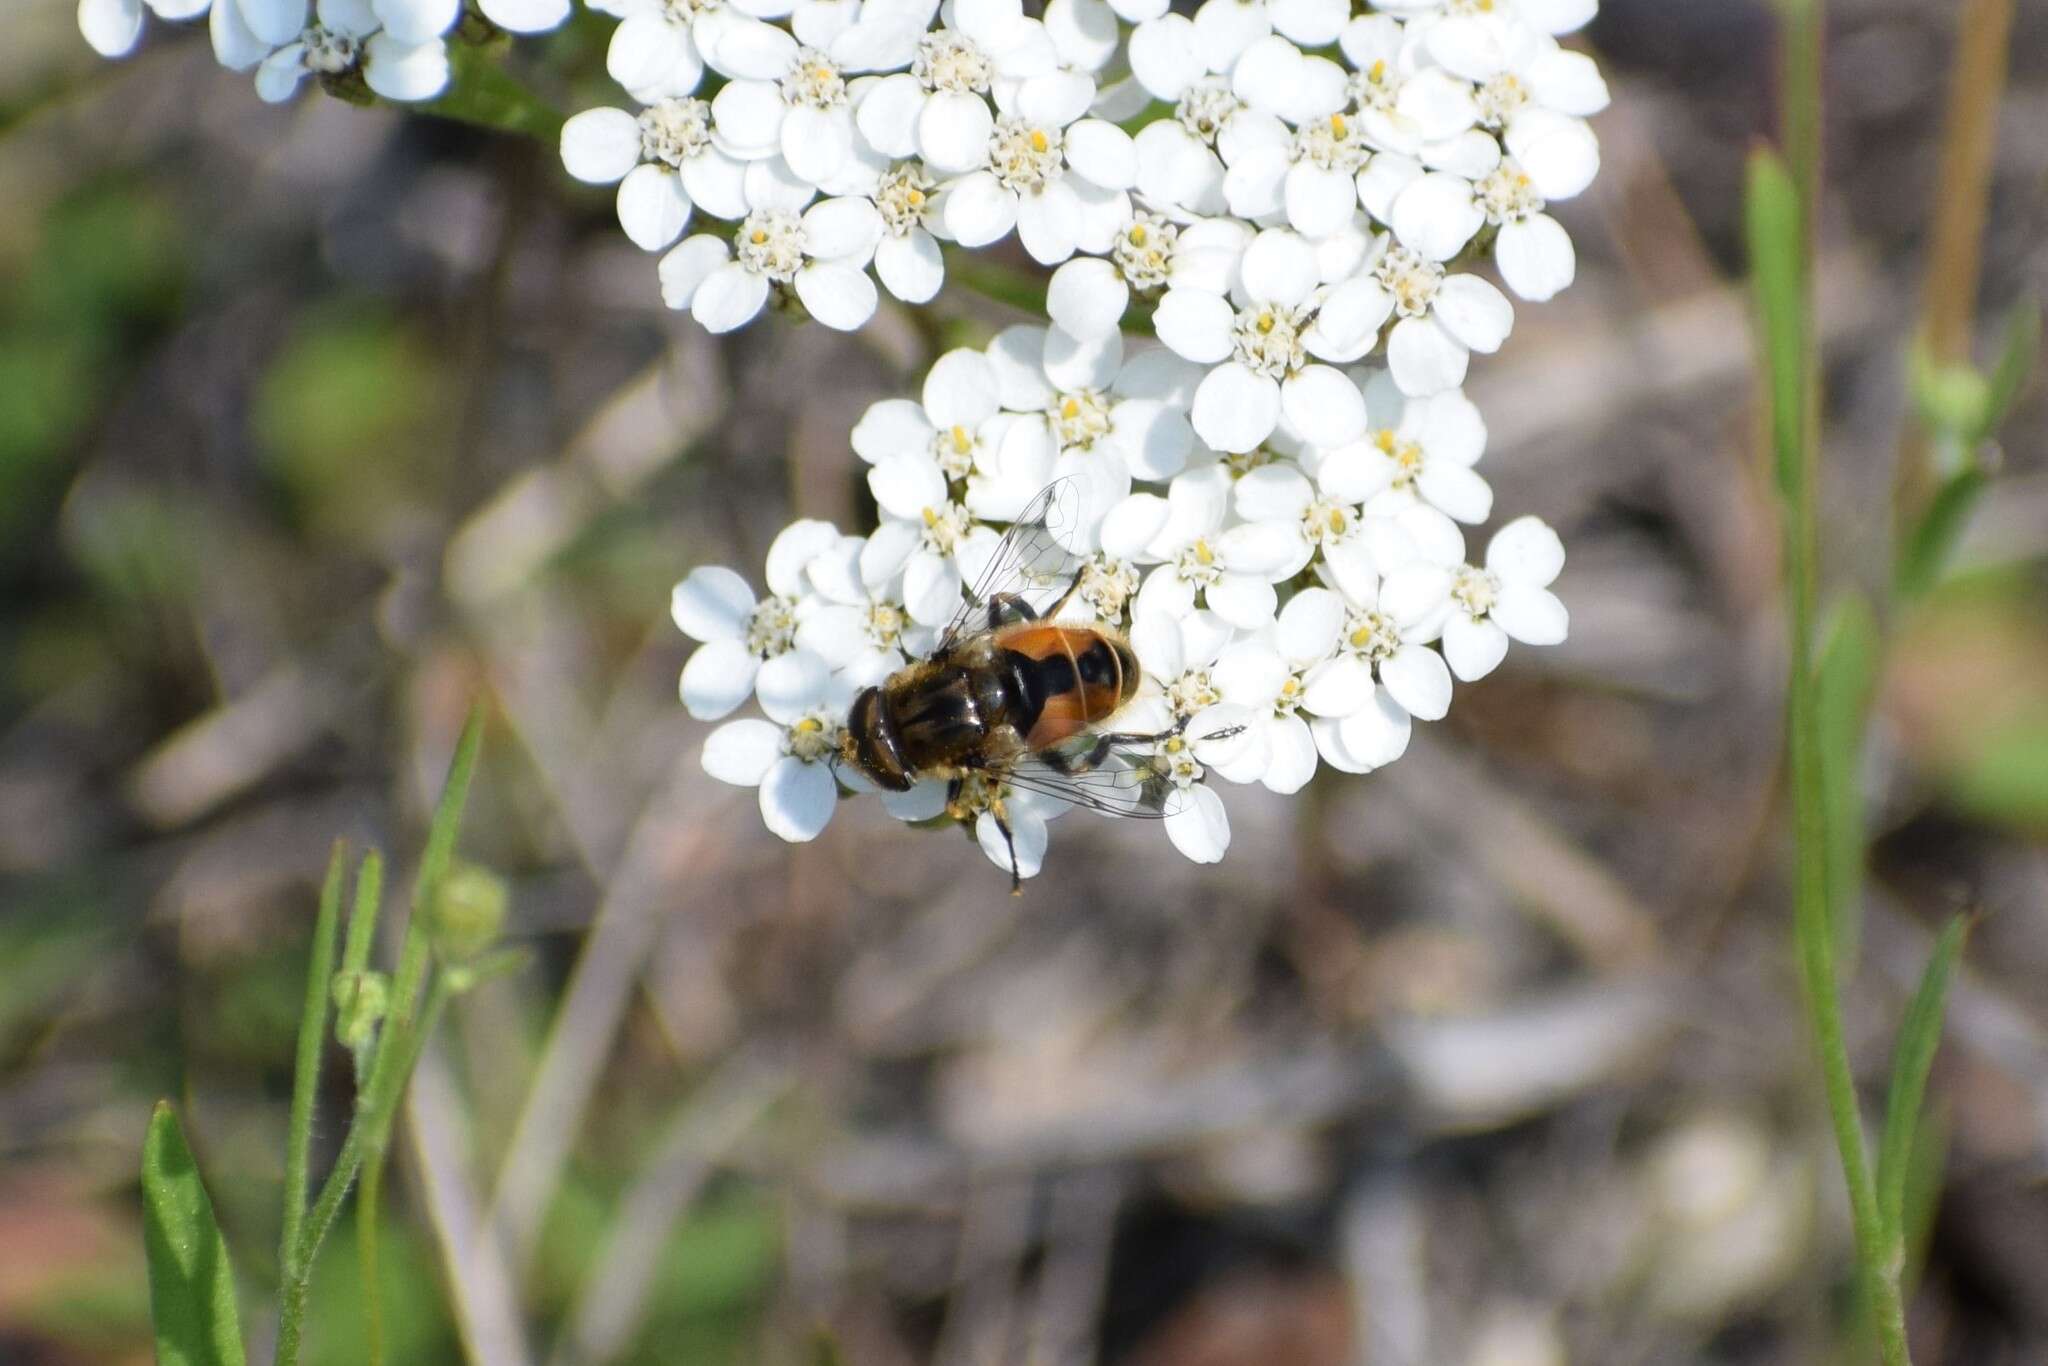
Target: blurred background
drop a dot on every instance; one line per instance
(317, 422)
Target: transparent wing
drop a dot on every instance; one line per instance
(1028, 562)
(1126, 785)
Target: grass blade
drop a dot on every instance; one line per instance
(191, 1283)
(312, 1039)
(1778, 275)
(1919, 1037)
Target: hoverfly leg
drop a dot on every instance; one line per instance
(1074, 586)
(1005, 608)
(1010, 843)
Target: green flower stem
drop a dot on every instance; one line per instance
(312, 1038)
(397, 1049)
(1778, 237)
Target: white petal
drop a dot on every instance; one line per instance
(1377, 733)
(405, 71)
(1164, 56)
(1311, 23)
(817, 142)
(1249, 674)
(1018, 356)
(952, 132)
(1243, 600)
(1438, 104)
(1087, 297)
(1455, 489)
(716, 184)
(718, 677)
(1319, 201)
(415, 21)
(712, 603)
(277, 79)
(1272, 493)
(1568, 82)
(111, 27)
(1049, 223)
(234, 46)
(1278, 267)
(729, 297)
(747, 49)
(1424, 358)
(931, 589)
(1195, 323)
(1526, 551)
(1075, 364)
(1234, 409)
(791, 684)
(526, 16)
(1084, 32)
(1027, 832)
(1415, 592)
(1558, 151)
(1473, 649)
(907, 485)
(600, 145)
(652, 207)
(1132, 525)
(893, 426)
(1309, 624)
(1533, 616)
(922, 803)
(747, 118)
(1226, 32)
(1474, 312)
(797, 799)
(1535, 257)
(653, 58)
(978, 210)
(844, 229)
(1104, 153)
(742, 752)
(1337, 687)
(1417, 678)
(833, 633)
(1324, 406)
(1292, 755)
(791, 552)
(1156, 638)
(276, 22)
(888, 112)
(1437, 215)
(911, 266)
(1153, 437)
(1351, 315)
(1199, 827)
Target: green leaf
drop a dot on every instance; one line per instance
(1776, 261)
(2015, 363)
(2004, 776)
(480, 92)
(1925, 551)
(191, 1284)
(1919, 1037)
(1843, 681)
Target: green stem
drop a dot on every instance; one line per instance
(299, 1274)
(306, 1071)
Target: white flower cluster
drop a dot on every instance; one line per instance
(842, 134)
(1304, 601)
(396, 48)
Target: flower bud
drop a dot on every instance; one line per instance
(1954, 400)
(361, 1000)
(468, 913)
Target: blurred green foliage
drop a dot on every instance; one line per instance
(109, 262)
(345, 417)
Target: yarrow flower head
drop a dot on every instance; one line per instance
(1247, 385)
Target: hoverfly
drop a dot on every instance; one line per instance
(1012, 696)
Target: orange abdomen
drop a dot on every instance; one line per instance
(1078, 676)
